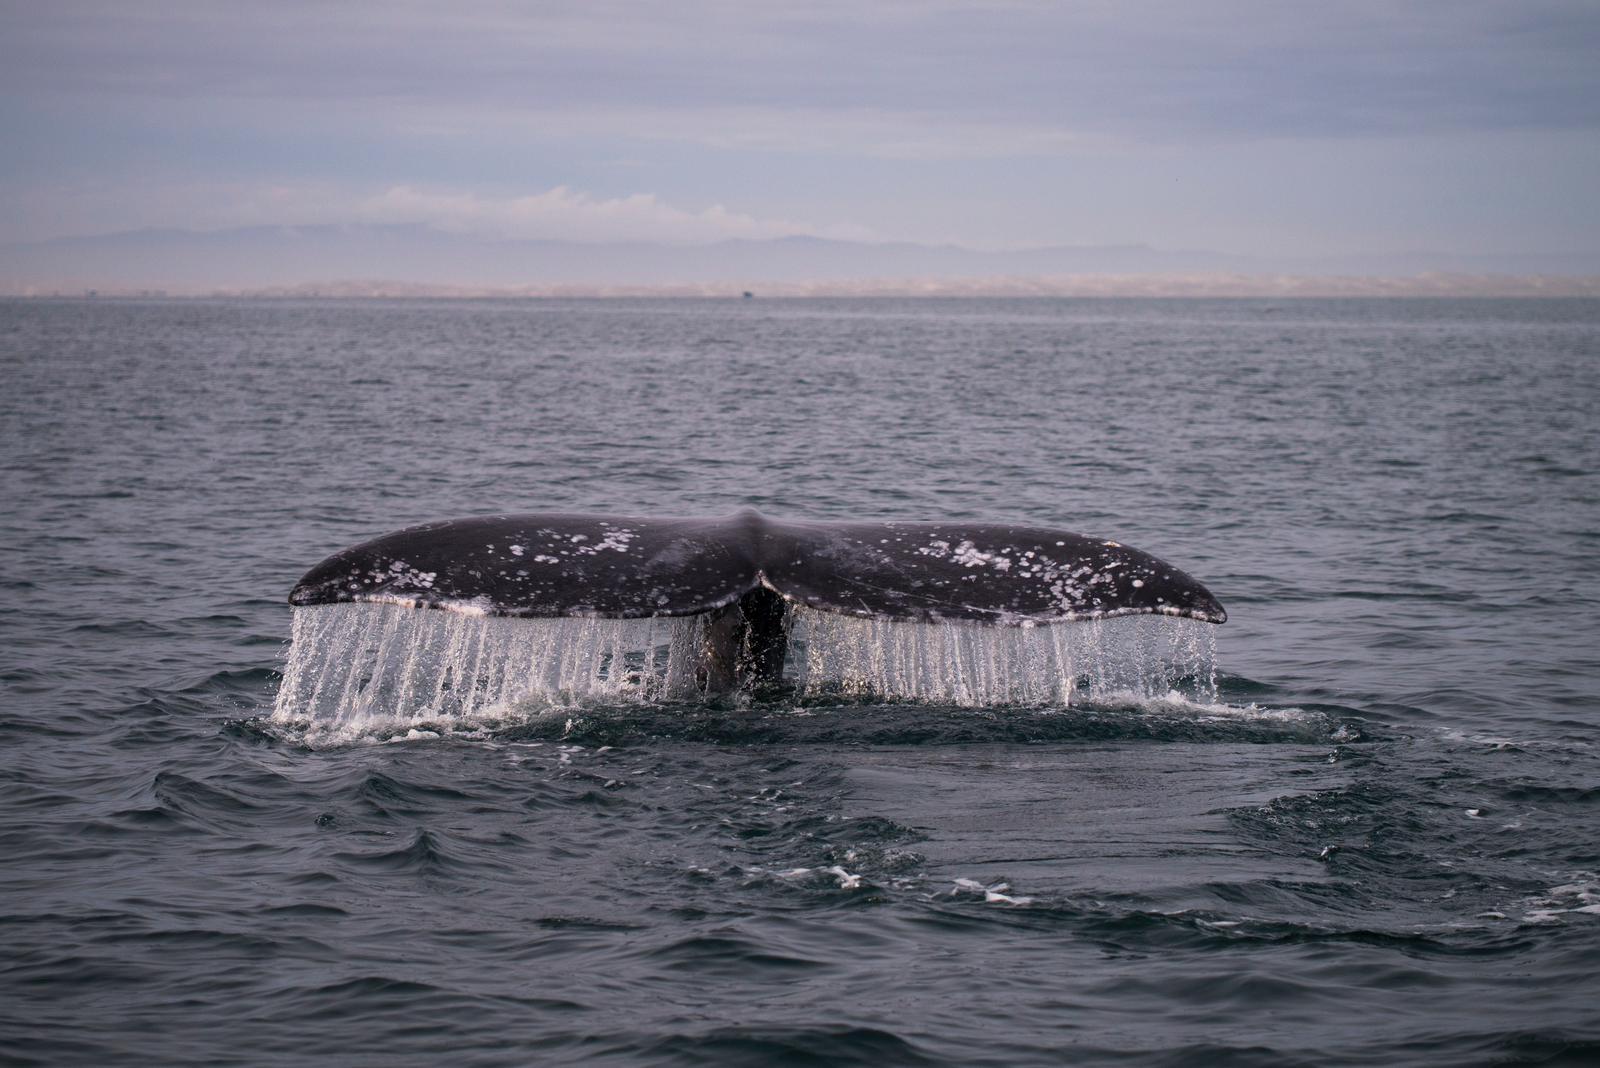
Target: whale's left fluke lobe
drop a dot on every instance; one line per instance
(740, 570)
(544, 564)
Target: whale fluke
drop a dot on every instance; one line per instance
(569, 564)
(744, 567)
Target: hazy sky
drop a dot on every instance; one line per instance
(1256, 126)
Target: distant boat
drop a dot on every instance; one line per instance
(748, 294)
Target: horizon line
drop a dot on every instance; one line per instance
(1203, 285)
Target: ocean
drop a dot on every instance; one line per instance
(1374, 840)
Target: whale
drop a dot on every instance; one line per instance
(743, 573)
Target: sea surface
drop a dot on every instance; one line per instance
(1378, 845)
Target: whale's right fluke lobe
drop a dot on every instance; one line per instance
(740, 571)
(1001, 574)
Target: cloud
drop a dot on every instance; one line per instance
(560, 213)
(1247, 124)
(1131, 69)
(571, 215)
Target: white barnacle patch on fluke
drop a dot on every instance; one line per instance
(1076, 589)
(616, 540)
(969, 555)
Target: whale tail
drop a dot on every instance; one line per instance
(743, 576)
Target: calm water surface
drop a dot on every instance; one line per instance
(1383, 849)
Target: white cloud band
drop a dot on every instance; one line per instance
(566, 214)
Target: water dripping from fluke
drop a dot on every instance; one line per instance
(355, 668)
(1130, 658)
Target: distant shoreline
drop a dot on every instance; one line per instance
(1196, 286)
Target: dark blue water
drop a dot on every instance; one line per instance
(1382, 847)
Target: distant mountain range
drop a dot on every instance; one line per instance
(419, 260)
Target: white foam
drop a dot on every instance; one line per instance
(999, 893)
(847, 880)
(1580, 896)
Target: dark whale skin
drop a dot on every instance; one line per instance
(569, 564)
